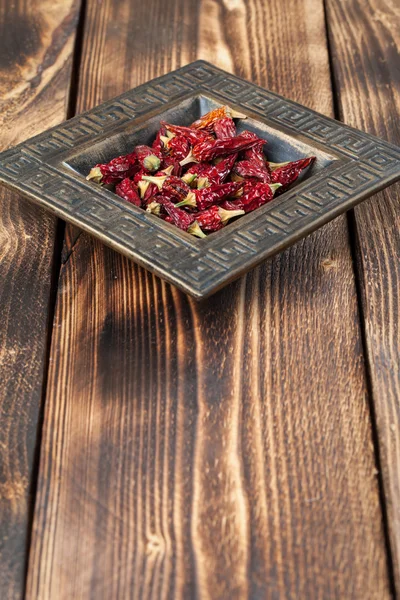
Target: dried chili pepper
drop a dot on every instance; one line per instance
(143, 185)
(147, 190)
(216, 174)
(255, 194)
(288, 173)
(210, 177)
(207, 121)
(222, 169)
(206, 197)
(225, 128)
(255, 154)
(127, 190)
(178, 147)
(198, 169)
(176, 187)
(247, 168)
(203, 174)
(170, 184)
(114, 171)
(147, 159)
(138, 176)
(193, 136)
(170, 161)
(182, 219)
(158, 145)
(165, 139)
(206, 151)
(216, 217)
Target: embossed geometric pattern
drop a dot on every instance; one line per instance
(36, 167)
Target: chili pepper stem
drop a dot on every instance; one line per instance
(275, 186)
(229, 214)
(151, 162)
(167, 138)
(236, 177)
(158, 181)
(189, 159)
(202, 182)
(196, 230)
(238, 193)
(95, 174)
(189, 178)
(190, 200)
(143, 185)
(168, 170)
(236, 115)
(154, 208)
(274, 166)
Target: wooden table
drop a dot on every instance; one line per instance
(153, 447)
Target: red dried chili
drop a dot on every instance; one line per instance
(206, 174)
(139, 175)
(170, 184)
(287, 174)
(147, 159)
(255, 154)
(158, 145)
(216, 217)
(255, 194)
(206, 197)
(246, 169)
(147, 190)
(114, 171)
(181, 218)
(170, 161)
(199, 169)
(193, 136)
(225, 128)
(217, 174)
(127, 190)
(178, 147)
(207, 121)
(210, 149)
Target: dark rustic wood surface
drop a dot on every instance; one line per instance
(36, 43)
(223, 449)
(375, 68)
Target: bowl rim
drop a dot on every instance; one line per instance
(361, 166)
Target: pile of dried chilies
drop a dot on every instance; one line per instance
(199, 177)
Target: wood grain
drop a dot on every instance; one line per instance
(36, 43)
(213, 450)
(374, 80)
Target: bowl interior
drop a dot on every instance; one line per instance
(281, 145)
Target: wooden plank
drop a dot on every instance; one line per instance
(374, 69)
(36, 44)
(221, 449)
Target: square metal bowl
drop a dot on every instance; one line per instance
(50, 169)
